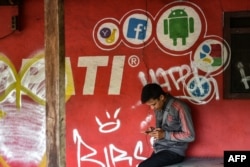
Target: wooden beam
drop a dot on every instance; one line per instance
(55, 83)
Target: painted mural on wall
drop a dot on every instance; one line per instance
(178, 30)
(22, 111)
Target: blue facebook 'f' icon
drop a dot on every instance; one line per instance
(137, 28)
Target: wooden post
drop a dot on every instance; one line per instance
(55, 83)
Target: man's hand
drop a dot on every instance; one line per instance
(151, 129)
(157, 134)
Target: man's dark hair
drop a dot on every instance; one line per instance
(151, 91)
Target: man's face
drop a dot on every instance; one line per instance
(156, 104)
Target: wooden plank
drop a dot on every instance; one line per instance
(55, 83)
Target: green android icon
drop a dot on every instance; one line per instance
(178, 25)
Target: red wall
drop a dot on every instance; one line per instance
(103, 110)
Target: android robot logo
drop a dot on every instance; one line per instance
(178, 25)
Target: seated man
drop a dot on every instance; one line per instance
(174, 127)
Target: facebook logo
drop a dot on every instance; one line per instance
(137, 29)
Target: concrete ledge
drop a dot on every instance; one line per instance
(200, 162)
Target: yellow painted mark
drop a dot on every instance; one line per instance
(111, 38)
(3, 163)
(2, 114)
(17, 86)
(15, 78)
(43, 162)
(69, 81)
(24, 70)
(207, 60)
